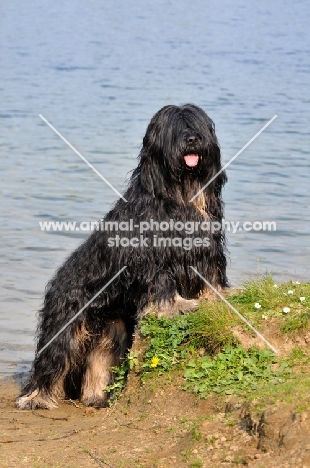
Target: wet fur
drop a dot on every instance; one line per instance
(77, 363)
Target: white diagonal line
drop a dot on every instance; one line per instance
(236, 312)
(234, 157)
(82, 157)
(80, 311)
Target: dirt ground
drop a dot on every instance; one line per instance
(158, 427)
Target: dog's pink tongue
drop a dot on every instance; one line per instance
(191, 160)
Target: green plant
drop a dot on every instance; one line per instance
(271, 299)
(234, 370)
(203, 343)
(196, 464)
(196, 434)
(297, 354)
(120, 375)
(211, 440)
(240, 460)
(170, 342)
(295, 322)
(231, 422)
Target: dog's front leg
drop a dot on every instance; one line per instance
(166, 301)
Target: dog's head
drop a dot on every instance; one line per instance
(179, 146)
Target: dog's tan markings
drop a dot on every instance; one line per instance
(82, 337)
(108, 353)
(97, 377)
(208, 294)
(200, 204)
(42, 398)
(37, 400)
(81, 332)
(49, 400)
(173, 307)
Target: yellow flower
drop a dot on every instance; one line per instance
(154, 361)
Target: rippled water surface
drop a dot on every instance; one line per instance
(98, 71)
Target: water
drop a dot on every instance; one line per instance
(98, 72)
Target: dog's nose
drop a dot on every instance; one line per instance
(192, 139)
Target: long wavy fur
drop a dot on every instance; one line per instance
(77, 363)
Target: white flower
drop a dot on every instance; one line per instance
(286, 310)
(257, 305)
(264, 317)
(297, 282)
(275, 285)
(302, 299)
(290, 292)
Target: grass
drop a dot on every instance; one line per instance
(196, 464)
(201, 346)
(171, 342)
(233, 371)
(273, 299)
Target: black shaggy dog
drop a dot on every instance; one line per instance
(179, 155)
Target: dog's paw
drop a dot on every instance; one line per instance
(36, 400)
(170, 308)
(96, 402)
(185, 305)
(179, 305)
